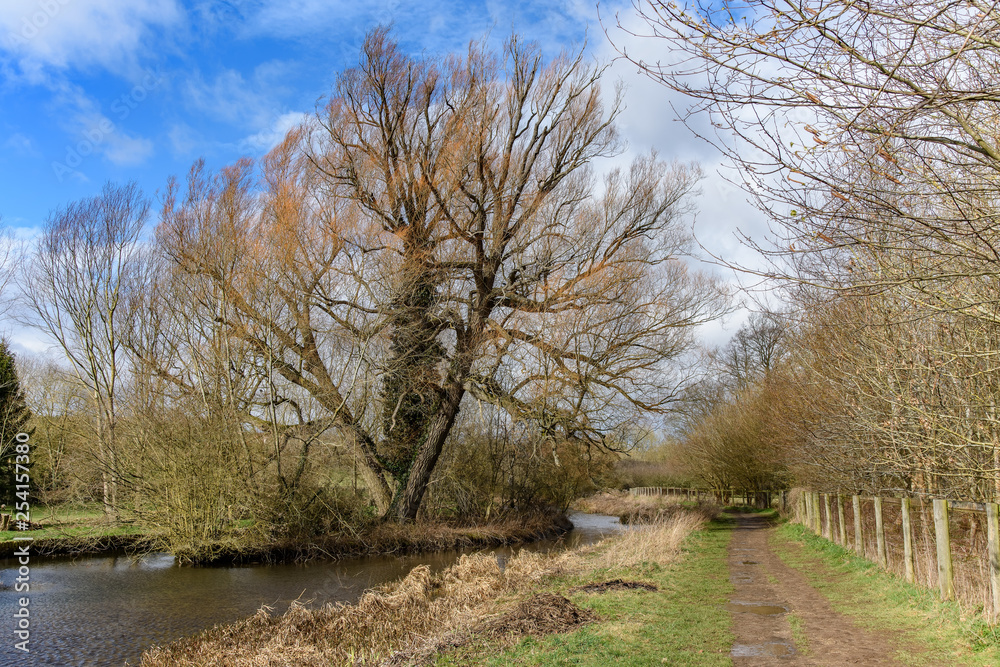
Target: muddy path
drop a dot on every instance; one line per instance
(780, 619)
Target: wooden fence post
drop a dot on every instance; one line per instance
(859, 540)
(816, 514)
(828, 531)
(946, 575)
(993, 545)
(908, 562)
(841, 522)
(880, 534)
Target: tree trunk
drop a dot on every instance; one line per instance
(406, 504)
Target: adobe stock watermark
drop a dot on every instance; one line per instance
(22, 522)
(92, 138)
(34, 23)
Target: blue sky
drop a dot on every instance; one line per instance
(138, 89)
(99, 90)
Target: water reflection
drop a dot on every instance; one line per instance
(106, 610)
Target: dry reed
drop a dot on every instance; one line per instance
(418, 615)
(643, 509)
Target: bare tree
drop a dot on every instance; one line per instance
(9, 264)
(894, 398)
(754, 351)
(866, 130)
(435, 234)
(75, 288)
(730, 434)
(62, 446)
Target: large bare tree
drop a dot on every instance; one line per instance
(437, 234)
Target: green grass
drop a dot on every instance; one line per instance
(72, 521)
(930, 632)
(798, 633)
(684, 623)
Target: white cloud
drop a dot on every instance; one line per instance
(649, 121)
(554, 24)
(22, 233)
(230, 98)
(92, 132)
(61, 34)
(184, 140)
(21, 145)
(31, 342)
(126, 150)
(267, 139)
(436, 26)
(289, 18)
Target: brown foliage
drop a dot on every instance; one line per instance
(436, 234)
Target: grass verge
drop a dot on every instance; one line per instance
(882, 602)
(798, 633)
(642, 509)
(683, 623)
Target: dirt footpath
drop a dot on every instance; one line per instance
(770, 596)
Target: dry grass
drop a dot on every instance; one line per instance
(410, 621)
(643, 509)
(656, 542)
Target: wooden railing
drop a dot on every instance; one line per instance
(763, 498)
(926, 542)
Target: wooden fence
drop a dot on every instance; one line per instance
(953, 546)
(726, 496)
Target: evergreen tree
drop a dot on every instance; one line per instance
(14, 416)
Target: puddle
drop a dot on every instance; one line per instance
(770, 650)
(759, 608)
(751, 562)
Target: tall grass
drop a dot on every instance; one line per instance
(657, 542)
(643, 509)
(409, 612)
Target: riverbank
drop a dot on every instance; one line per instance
(386, 539)
(473, 608)
(86, 532)
(73, 530)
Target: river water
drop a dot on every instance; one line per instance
(107, 610)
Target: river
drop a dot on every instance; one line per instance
(107, 610)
